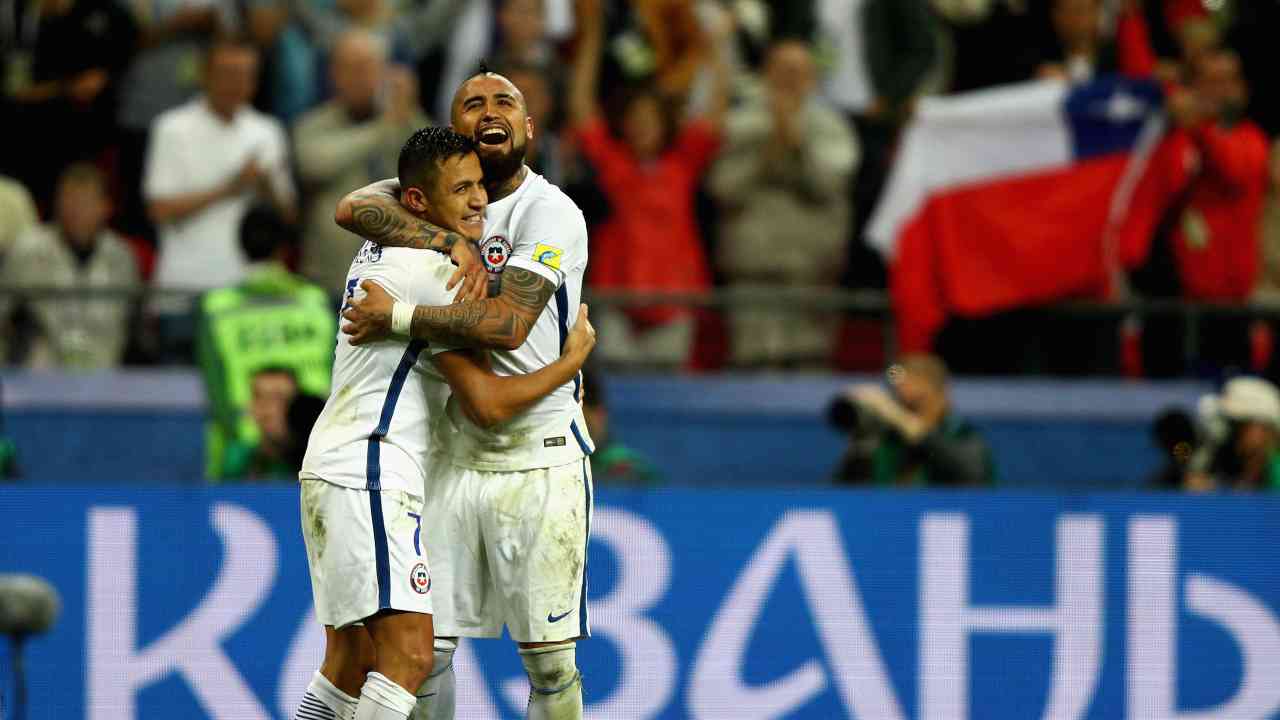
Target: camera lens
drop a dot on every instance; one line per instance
(842, 413)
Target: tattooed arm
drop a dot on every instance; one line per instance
(374, 213)
(497, 323)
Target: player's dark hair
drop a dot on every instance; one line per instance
(262, 233)
(424, 153)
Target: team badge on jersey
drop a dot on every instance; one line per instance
(548, 255)
(495, 252)
(420, 579)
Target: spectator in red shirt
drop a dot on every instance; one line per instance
(1216, 240)
(649, 173)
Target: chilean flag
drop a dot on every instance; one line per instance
(1019, 195)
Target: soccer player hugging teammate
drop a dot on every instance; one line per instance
(511, 504)
(369, 456)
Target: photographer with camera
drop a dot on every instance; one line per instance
(908, 436)
(1241, 427)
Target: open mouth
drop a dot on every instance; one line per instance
(473, 221)
(492, 135)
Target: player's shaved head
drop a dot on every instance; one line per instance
(491, 110)
(481, 84)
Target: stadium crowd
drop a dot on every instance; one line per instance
(711, 144)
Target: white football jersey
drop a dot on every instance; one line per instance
(376, 429)
(539, 229)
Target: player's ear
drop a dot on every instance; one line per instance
(528, 128)
(414, 199)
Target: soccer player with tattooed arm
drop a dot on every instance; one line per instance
(506, 493)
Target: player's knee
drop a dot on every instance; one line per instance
(552, 669)
(408, 661)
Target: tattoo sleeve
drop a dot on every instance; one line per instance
(497, 323)
(378, 216)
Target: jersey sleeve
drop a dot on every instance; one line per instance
(430, 277)
(550, 239)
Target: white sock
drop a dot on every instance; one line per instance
(381, 699)
(324, 701)
(437, 696)
(555, 683)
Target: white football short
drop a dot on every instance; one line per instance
(365, 551)
(509, 548)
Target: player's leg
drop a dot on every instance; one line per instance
(437, 697)
(463, 594)
(348, 657)
(348, 653)
(555, 684)
(403, 657)
(542, 579)
(398, 616)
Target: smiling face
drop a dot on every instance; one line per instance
(456, 197)
(489, 109)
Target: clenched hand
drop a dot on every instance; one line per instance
(369, 317)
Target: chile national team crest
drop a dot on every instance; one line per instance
(420, 579)
(495, 252)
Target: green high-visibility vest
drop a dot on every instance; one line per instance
(274, 319)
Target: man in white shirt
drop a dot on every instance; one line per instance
(514, 502)
(370, 451)
(208, 161)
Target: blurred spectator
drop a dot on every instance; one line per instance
(612, 463)
(1081, 52)
(350, 142)
(62, 59)
(174, 37)
(994, 42)
(910, 438)
(17, 213)
(659, 43)
(649, 172)
(1242, 447)
(166, 72)
(886, 51)
(284, 418)
(500, 33)
(272, 319)
(1216, 240)
(523, 40)
(76, 251)
(277, 409)
(782, 182)
(1269, 284)
(763, 23)
(290, 82)
(1174, 434)
(209, 160)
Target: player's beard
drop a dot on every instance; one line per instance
(498, 169)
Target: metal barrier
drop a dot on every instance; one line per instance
(854, 303)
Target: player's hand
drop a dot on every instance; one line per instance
(368, 316)
(247, 178)
(582, 338)
(471, 272)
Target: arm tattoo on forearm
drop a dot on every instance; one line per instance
(381, 219)
(491, 322)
